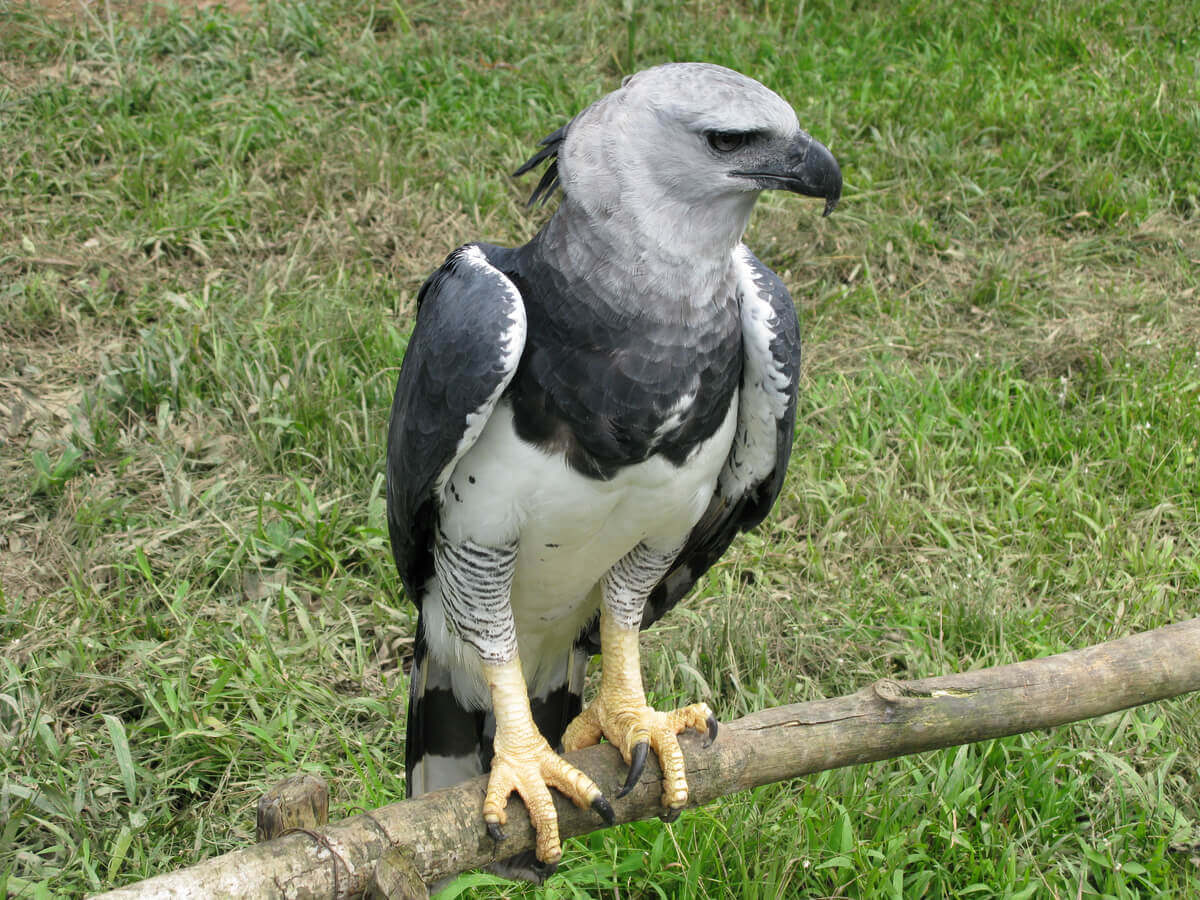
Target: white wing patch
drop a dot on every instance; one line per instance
(512, 345)
(675, 414)
(765, 389)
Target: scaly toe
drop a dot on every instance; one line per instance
(531, 773)
(697, 717)
(584, 731)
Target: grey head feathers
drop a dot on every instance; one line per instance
(678, 154)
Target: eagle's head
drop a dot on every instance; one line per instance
(683, 150)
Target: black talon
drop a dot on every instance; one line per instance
(671, 815)
(712, 730)
(544, 870)
(604, 809)
(494, 832)
(637, 763)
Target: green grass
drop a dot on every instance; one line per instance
(212, 228)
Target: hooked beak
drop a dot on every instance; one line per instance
(804, 166)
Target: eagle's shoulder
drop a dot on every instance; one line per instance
(770, 380)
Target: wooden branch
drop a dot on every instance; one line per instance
(301, 801)
(442, 833)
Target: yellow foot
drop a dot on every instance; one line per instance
(523, 762)
(634, 728)
(620, 713)
(531, 774)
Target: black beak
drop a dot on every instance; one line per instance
(806, 167)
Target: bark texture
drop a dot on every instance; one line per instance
(301, 801)
(443, 834)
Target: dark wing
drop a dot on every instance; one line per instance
(468, 340)
(753, 474)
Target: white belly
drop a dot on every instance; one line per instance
(571, 529)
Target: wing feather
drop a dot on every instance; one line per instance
(463, 353)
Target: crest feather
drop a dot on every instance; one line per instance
(550, 146)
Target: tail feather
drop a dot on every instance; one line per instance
(444, 742)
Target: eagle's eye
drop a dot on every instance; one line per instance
(727, 141)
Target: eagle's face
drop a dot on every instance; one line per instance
(688, 147)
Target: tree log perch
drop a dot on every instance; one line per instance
(443, 834)
(301, 801)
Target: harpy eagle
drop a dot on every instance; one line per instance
(580, 428)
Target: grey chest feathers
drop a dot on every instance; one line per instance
(610, 389)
